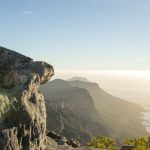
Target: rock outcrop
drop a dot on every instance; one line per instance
(22, 106)
(63, 140)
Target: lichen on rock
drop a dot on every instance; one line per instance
(22, 106)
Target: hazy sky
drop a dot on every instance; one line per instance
(79, 34)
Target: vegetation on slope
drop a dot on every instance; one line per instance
(103, 143)
(140, 143)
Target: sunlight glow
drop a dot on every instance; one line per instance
(123, 73)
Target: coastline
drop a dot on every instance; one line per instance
(146, 118)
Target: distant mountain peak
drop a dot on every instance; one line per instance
(79, 79)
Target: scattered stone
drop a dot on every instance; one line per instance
(74, 143)
(63, 141)
(54, 135)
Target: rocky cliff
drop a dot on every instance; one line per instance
(22, 106)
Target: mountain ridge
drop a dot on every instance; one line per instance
(122, 109)
(72, 104)
(114, 124)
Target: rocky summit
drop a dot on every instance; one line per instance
(22, 106)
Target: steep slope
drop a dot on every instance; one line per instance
(71, 111)
(22, 106)
(121, 118)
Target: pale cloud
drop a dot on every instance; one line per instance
(28, 12)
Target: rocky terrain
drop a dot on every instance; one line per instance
(22, 106)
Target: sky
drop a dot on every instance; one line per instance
(79, 34)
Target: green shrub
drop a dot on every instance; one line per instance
(141, 143)
(103, 143)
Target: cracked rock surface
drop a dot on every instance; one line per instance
(22, 106)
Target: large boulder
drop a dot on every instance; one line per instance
(22, 106)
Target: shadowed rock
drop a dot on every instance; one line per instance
(22, 106)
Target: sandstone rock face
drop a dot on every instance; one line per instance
(22, 106)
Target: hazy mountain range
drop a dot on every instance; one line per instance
(81, 109)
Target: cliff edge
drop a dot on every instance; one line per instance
(22, 106)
